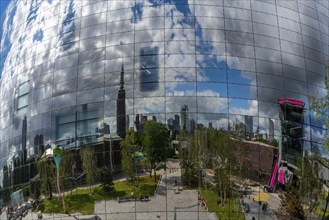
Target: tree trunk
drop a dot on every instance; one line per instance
(224, 197)
(59, 190)
(221, 198)
(111, 159)
(50, 190)
(155, 176)
(325, 210)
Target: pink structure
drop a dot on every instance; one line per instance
(273, 175)
(291, 101)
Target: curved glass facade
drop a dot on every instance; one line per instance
(230, 80)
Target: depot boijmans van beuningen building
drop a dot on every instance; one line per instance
(81, 73)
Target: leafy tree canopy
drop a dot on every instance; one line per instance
(104, 176)
(320, 105)
(128, 147)
(155, 141)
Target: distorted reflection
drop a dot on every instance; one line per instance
(224, 85)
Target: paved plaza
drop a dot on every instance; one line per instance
(166, 204)
(256, 209)
(257, 212)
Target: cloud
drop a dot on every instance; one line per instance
(203, 42)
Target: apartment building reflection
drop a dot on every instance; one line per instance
(174, 123)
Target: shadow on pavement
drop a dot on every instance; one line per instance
(91, 218)
(161, 190)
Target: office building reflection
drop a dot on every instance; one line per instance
(121, 107)
(149, 69)
(270, 130)
(184, 117)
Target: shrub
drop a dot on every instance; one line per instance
(105, 177)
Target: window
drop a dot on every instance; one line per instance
(81, 127)
(23, 97)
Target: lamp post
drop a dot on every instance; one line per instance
(111, 159)
(58, 157)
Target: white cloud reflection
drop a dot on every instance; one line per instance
(101, 35)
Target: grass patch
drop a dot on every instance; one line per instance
(319, 212)
(83, 202)
(231, 209)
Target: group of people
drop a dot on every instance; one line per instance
(245, 206)
(263, 204)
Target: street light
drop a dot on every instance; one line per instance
(58, 157)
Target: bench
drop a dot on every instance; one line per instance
(127, 199)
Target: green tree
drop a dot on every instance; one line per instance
(305, 195)
(105, 177)
(67, 163)
(128, 147)
(66, 166)
(223, 161)
(155, 141)
(222, 182)
(320, 106)
(193, 155)
(201, 147)
(189, 164)
(46, 169)
(291, 204)
(239, 162)
(35, 189)
(88, 159)
(310, 185)
(219, 144)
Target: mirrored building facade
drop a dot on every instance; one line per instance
(221, 75)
